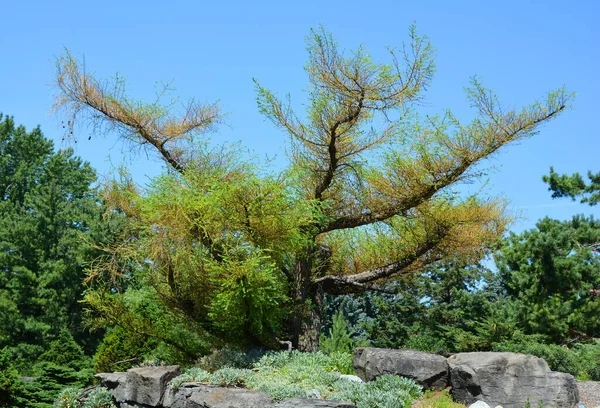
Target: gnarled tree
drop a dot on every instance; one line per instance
(368, 195)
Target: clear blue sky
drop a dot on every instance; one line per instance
(212, 50)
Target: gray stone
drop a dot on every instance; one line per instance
(177, 398)
(509, 379)
(428, 370)
(352, 378)
(206, 396)
(311, 403)
(142, 386)
(314, 394)
(479, 404)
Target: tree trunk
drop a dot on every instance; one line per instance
(309, 299)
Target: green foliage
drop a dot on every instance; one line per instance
(49, 218)
(235, 290)
(194, 374)
(450, 306)
(141, 314)
(574, 186)
(387, 391)
(441, 399)
(339, 339)
(551, 273)
(99, 398)
(558, 358)
(238, 255)
(12, 390)
(121, 345)
(64, 351)
(228, 357)
(68, 398)
(231, 377)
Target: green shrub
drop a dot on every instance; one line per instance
(120, 345)
(12, 390)
(231, 377)
(427, 343)
(340, 336)
(439, 400)
(278, 390)
(99, 398)
(341, 362)
(194, 374)
(387, 391)
(227, 357)
(68, 398)
(558, 358)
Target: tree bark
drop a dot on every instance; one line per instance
(309, 302)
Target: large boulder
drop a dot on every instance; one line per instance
(509, 379)
(428, 370)
(139, 386)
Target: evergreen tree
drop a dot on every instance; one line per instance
(573, 186)
(367, 196)
(49, 217)
(553, 273)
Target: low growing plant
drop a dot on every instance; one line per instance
(231, 377)
(194, 374)
(99, 398)
(68, 398)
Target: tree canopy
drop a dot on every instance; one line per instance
(368, 196)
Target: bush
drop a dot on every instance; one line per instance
(228, 357)
(231, 377)
(558, 358)
(99, 398)
(194, 374)
(439, 400)
(120, 345)
(426, 343)
(68, 398)
(387, 391)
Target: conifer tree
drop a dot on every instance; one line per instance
(367, 197)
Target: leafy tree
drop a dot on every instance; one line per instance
(554, 276)
(368, 195)
(573, 186)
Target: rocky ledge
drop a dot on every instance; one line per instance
(147, 387)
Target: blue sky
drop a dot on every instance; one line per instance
(212, 50)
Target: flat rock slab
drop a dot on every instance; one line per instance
(509, 379)
(311, 403)
(428, 370)
(206, 396)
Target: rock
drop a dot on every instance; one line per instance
(176, 399)
(311, 403)
(428, 370)
(509, 379)
(313, 394)
(479, 404)
(206, 396)
(142, 386)
(353, 378)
